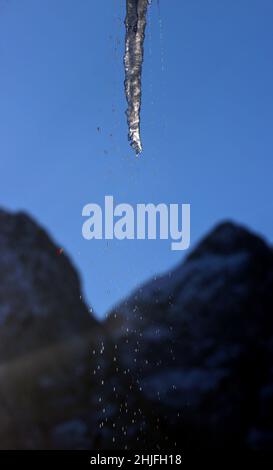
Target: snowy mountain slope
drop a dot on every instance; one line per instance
(185, 361)
(192, 350)
(46, 334)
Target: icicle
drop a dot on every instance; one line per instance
(135, 23)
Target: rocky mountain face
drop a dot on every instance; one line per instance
(185, 361)
(46, 337)
(190, 353)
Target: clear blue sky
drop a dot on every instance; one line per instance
(207, 123)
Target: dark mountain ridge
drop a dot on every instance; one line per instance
(46, 333)
(184, 361)
(197, 344)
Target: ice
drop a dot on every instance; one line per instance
(135, 22)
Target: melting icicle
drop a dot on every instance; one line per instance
(135, 23)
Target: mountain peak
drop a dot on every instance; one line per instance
(40, 289)
(229, 238)
(197, 342)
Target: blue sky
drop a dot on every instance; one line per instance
(207, 121)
